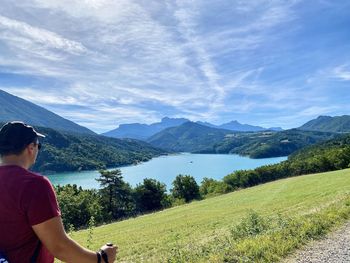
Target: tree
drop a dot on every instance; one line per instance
(185, 187)
(150, 195)
(116, 193)
(78, 205)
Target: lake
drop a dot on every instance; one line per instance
(166, 168)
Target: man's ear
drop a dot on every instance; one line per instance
(31, 147)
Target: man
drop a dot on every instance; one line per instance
(31, 228)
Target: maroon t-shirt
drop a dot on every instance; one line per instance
(26, 199)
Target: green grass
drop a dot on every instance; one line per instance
(203, 230)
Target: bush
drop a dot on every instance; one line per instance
(211, 187)
(253, 225)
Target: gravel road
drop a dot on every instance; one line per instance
(334, 248)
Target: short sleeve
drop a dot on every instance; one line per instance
(42, 202)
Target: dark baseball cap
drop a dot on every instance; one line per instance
(16, 135)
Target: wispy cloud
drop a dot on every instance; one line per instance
(20, 34)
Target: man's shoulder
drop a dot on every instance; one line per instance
(35, 175)
(21, 175)
(34, 184)
(37, 178)
(15, 169)
(21, 186)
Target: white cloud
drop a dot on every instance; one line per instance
(342, 72)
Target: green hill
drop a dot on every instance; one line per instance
(64, 151)
(328, 124)
(13, 108)
(289, 212)
(196, 138)
(188, 137)
(270, 144)
(338, 147)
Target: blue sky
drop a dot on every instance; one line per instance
(101, 63)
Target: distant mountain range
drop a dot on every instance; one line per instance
(15, 108)
(144, 131)
(184, 135)
(197, 138)
(328, 124)
(236, 126)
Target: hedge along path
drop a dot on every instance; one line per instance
(152, 237)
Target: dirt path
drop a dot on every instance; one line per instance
(334, 248)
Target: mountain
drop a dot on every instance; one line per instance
(188, 137)
(237, 126)
(143, 131)
(328, 124)
(207, 124)
(275, 129)
(15, 108)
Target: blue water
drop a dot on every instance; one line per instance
(166, 168)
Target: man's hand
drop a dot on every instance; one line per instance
(54, 238)
(111, 251)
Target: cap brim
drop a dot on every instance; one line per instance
(40, 135)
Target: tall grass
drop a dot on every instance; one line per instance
(263, 238)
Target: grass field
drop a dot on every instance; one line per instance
(160, 237)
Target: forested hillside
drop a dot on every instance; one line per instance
(196, 138)
(269, 144)
(64, 151)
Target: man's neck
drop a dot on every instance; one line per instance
(14, 160)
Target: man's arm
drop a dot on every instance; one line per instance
(61, 246)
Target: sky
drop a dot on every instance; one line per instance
(101, 63)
